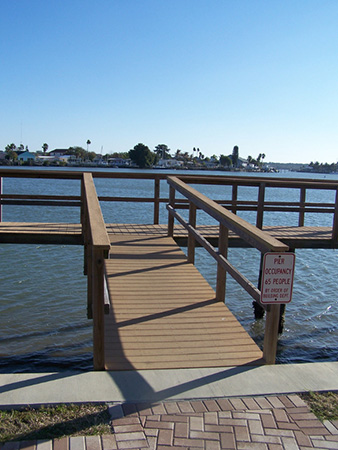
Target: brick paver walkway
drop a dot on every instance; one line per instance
(258, 423)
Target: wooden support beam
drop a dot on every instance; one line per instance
(98, 308)
(271, 333)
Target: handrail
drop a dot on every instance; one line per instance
(251, 234)
(97, 245)
(255, 237)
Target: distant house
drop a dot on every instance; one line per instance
(118, 162)
(2, 154)
(168, 164)
(58, 152)
(26, 156)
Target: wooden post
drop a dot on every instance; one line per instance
(260, 206)
(156, 201)
(98, 308)
(335, 223)
(221, 272)
(234, 198)
(302, 206)
(191, 239)
(90, 277)
(258, 309)
(170, 217)
(271, 333)
(0, 199)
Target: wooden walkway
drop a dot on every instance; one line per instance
(294, 237)
(164, 314)
(70, 233)
(40, 233)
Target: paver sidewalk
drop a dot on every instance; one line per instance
(281, 422)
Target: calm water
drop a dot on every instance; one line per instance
(43, 290)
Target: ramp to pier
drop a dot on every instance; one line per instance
(164, 314)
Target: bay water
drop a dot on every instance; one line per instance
(43, 290)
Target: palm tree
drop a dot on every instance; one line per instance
(44, 147)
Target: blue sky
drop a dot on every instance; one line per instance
(262, 75)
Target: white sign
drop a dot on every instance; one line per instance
(277, 278)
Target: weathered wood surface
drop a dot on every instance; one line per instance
(295, 237)
(164, 314)
(40, 233)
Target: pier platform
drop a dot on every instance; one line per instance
(164, 314)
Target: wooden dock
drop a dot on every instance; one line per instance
(164, 314)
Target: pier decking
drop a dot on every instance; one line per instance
(164, 314)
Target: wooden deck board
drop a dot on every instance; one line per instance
(293, 236)
(40, 233)
(164, 314)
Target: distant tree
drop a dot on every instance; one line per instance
(78, 152)
(235, 156)
(10, 151)
(44, 147)
(225, 160)
(142, 156)
(163, 151)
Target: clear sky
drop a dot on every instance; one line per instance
(260, 74)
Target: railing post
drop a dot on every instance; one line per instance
(234, 198)
(191, 239)
(221, 272)
(335, 222)
(271, 333)
(0, 199)
(156, 201)
(170, 217)
(302, 207)
(260, 206)
(98, 308)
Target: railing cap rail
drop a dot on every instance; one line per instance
(99, 235)
(249, 232)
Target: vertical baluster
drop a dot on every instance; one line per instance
(191, 239)
(260, 206)
(156, 200)
(170, 217)
(234, 198)
(302, 207)
(221, 272)
(0, 199)
(335, 222)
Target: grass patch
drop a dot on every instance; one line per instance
(50, 422)
(323, 404)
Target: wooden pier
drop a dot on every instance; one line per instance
(161, 312)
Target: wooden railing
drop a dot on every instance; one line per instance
(94, 236)
(97, 245)
(249, 233)
(233, 202)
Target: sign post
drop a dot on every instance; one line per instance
(277, 278)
